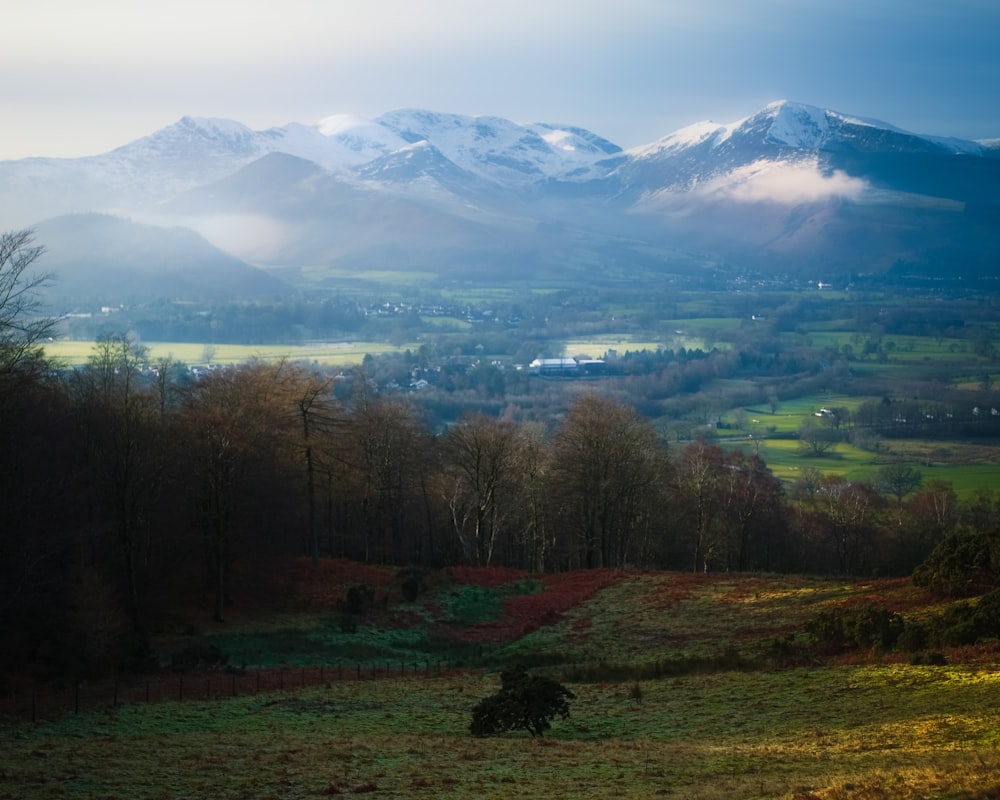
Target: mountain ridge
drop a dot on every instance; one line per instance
(789, 187)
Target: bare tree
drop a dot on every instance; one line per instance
(607, 468)
(485, 458)
(117, 409)
(22, 324)
(898, 480)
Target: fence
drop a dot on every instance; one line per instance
(38, 704)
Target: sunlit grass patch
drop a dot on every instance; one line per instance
(598, 346)
(332, 353)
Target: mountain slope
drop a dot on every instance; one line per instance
(106, 260)
(790, 188)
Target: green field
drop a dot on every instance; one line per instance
(967, 466)
(876, 727)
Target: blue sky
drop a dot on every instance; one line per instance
(82, 78)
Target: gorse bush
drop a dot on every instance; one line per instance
(961, 565)
(524, 702)
(865, 627)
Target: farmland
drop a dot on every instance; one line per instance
(745, 365)
(676, 696)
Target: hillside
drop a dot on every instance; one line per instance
(675, 694)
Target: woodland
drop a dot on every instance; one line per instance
(132, 489)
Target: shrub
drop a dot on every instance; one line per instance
(411, 583)
(199, 657)
(527, 702)
(862, 627)
(359, 600)
(914, 637)
(932, 659)
(986, 615)
(961, 565)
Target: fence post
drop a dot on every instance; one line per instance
(180, 688)
(147, 693)
(114, 699)
(76, 698)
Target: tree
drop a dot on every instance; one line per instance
(240, 428)
(816, 439)
(119, 420)
(22, 326)
(383, 455)
(898, 480)
(753, 507)
(524, 702)
(607, 468)
(698, 487)
(485, 458)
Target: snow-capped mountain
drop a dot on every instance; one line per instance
(782, 133)
(789, 187)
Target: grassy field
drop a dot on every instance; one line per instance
(967, 466)
(871, 728)
(333, 353)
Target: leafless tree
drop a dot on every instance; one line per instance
(22, 325)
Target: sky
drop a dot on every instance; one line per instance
(81, 78)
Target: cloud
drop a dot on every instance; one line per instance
(789, 182)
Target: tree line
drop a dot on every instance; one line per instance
(130, 490)
(128, 493)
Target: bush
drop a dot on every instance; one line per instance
(527, 702)
(914, 637)
(359, 600)
(932, 659)
(199, 657)
(961, 565)
(411, 583)
(863, 627)
(986, 615)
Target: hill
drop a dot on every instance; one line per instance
(106, 260)
(668, 700)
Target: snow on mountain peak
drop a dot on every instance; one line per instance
(797, 125)
(342, 123)
(215, 128)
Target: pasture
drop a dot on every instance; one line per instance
(868, 727)
(329, 353)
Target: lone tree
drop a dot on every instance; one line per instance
(527, 702)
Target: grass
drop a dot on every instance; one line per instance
(889, 731)
(874, 729)
(334, 353)
(598, 346)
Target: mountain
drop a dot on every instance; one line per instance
(796, 187)
(97, 259)
(790, 188)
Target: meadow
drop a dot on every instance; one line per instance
(74, 352)
(675, 698)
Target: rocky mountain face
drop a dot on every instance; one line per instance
(792, 188)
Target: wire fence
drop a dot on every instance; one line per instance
(39, 704)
